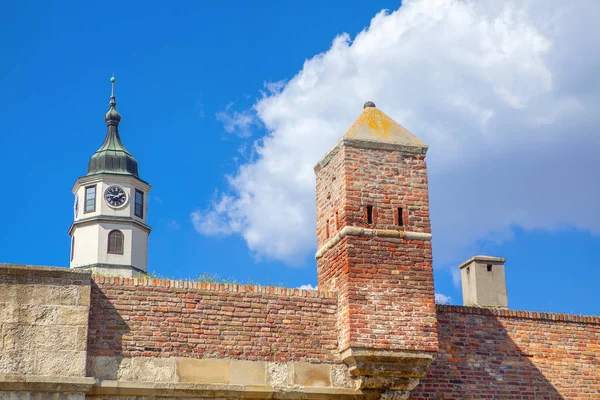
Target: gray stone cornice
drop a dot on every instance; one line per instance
(109, 219)
(109, 266)
(35, 383)
(483, 259)
(398, 370)
(366, 232)
(35, 271)
(211, 391)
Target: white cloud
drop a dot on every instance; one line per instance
(219, 219)
(307, 287)
(274, 87)
(505, 93)
(237, 122)
(442, 299)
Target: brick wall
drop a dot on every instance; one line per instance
(505, 354)
(352, 178)
(483, 353)
(330, 196)
(332, 271)
(162, 318)
(389, 290)
(387, 180)
(385, 285)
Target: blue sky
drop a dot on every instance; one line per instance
(227, 105)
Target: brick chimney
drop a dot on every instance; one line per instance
(484, 282)
(374, 248)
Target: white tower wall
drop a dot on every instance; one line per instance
(90, 230)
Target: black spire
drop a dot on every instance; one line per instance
(112, 157)
(112, 116)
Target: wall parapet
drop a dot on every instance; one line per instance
(213, 287)
(135, 317)
(582, 319)
(42, 274)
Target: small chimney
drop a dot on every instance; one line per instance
(484, 282)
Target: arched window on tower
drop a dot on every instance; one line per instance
(116, 241)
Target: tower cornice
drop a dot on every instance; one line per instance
(368, 144)
(116, 178)
(109, 219)
(370, 233)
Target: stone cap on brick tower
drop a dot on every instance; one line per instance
(373, 129)
(373, 125)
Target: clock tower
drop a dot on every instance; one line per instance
(109, 233)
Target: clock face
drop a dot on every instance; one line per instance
(115, 196)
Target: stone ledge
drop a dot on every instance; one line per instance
(220, 371)
(35, 383)
(37, 272)
(387, 369)
(485, 259)
(372, 233)
(410, 149)
(201, 390)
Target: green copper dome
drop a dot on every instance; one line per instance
(112, 157)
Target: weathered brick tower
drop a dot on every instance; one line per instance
(374, 248)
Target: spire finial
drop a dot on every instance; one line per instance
(113, 80)
(112, 117)
(369, 104)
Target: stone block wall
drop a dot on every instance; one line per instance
(165, 373)
(505, 354)
(43, 321)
